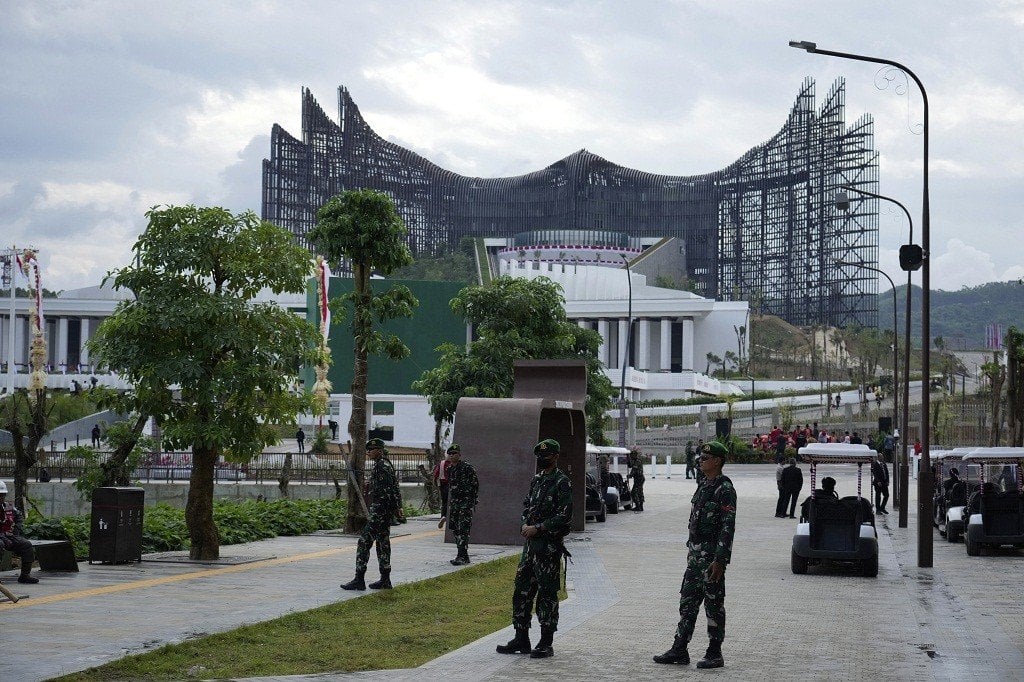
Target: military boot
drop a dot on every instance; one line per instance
(25, 578)
(712, 657)
(677, 654)
(356, 583)
(385, 580)
(520, 644)
(543, 648)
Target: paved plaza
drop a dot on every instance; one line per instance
(964, 618)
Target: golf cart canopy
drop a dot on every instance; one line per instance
(955, 453)
(837, 453)
(995, 456)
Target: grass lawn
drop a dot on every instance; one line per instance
(400, 628)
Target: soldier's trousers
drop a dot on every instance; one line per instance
(460, 520)
(637, 492)
(376, 531)
(540, 568)
(698, 588)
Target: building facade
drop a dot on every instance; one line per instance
(763, 229)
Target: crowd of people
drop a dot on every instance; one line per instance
(777, 440)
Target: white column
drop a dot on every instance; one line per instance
(602, 353)
(581, 323)
(665, 364)
(643, 345)
(623, 344)
(687, 344)
(21, 341)
(84, 356)
(62, 344)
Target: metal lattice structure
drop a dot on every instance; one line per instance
(763, 229)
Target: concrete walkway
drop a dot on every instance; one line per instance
(963, 618)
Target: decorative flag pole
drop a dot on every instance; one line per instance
(29, 266)
(322, 387)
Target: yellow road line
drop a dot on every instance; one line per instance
(194, 575)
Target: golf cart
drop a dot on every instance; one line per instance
(947, 496)
(596, 505)
(832, 528)
(994, 514)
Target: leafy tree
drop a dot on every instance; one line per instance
(26, 414)
(1014, 340)
(996, 374)
(514, 319)
(444, 264)
(363, 228)
(100, 472)
(712, 360)
(194, 325)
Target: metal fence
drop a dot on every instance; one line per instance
(171, 467)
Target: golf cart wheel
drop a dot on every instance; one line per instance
(950, 535)
(798, 563)
(973, 547)
(869, 567)
(614, 509)
(602, 516)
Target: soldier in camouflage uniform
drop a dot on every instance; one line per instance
(547, 514)
(463, 487)
(636, 472)
(712, 525)
(385, 501)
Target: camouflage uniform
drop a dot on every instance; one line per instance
(385, 500)
(463, 487)
(712, 525)
(549, 506)
(636, 472)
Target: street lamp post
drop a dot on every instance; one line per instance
(625, 357)
(751, 401)
(898, 491)
(904, 425)
(925, 482)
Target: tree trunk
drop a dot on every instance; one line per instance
(26, 438)
(997, 378)
(114, 472)
(361, 327)
(202, 531)
(286, 475)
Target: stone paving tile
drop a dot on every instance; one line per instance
(829, 624)
(57, 637)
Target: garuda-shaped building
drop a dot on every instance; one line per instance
(763, 229)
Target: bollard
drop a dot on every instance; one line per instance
(668, 466)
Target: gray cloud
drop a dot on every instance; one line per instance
(111, 106)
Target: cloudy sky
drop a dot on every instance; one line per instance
(109, 108)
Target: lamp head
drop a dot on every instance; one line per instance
(843, 201)
(803, 45)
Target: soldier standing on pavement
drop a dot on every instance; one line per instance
(636, 472)
(547, 514)
(712, 525)
(463, 487)
(385, 501)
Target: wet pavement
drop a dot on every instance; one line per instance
(963, 618)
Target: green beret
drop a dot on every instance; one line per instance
(715, 449)
(454, 447)
(375, 444)
(548, 446)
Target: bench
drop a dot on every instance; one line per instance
(52, 555)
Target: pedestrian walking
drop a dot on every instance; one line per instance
(464, 487)
(547, 514)
(636, 472)
(385, 501)
(440, 475)
(711, 530)
(880, 482)
(691, 458)
(333, 426)
(780, 504)
(95, 433)
(300, 439)
(792, 483)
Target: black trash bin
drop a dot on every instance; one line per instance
(115, 535)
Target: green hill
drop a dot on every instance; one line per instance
(959, 317)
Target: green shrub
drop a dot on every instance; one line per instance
(164, 528)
